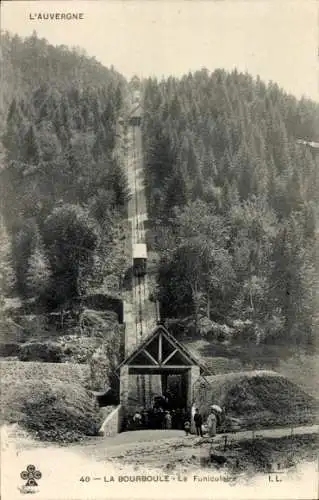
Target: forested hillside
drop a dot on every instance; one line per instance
(62, 188)
(233, 200)
(32, 62)
(63, 198)
(232, 196)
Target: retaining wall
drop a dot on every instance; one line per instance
(113, 423)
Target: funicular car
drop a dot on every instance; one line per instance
(139, 259)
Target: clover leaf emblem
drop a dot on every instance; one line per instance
(31, 475)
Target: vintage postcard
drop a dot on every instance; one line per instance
(159, 228)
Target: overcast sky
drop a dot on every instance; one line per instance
(276, 39)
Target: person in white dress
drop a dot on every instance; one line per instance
(212, 423)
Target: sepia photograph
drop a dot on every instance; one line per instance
(159, 249)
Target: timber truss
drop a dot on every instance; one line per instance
(160, 352)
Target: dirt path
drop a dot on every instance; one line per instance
(273, 433)
(157, 447)
(151, 435)
(85, 470)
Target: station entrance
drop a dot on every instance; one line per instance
(169, 372)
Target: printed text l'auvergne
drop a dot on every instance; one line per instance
(56, 16)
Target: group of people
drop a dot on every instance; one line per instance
(165, 412)
(163, 415)
(158, 418)
(213, 420)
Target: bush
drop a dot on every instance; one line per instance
(9, 349)
(260, 397)
(183, 328)
(104, 362)
(41, 351)
(78, 349)
(53, 411)
(10, 331)
(33, 325)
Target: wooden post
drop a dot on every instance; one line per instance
(225, 442)
(157, 308)
(160, 352)
(192, 376)
(124, 386)
(164, 382)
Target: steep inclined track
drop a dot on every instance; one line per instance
(137, 216)
(140, 316)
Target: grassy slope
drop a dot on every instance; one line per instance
(258, 398)
(18, 370)
(18, 376)
(49, 400)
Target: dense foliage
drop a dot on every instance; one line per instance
(232, 197)
(63, 189)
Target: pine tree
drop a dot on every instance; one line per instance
(117, 182)
(7, 275)
(177, 192)
(31, 153)
(15, 131)
(70, 237)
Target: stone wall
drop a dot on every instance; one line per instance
(112, 425)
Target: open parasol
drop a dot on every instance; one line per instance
(216, 408)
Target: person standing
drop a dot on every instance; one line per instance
(145, 418)
(187, 427)
(161, 418)
(168, 420)
(211, 423)
(198, 423)
(137, 419)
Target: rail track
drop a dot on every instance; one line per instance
(143, 311)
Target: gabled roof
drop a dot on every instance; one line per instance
(167, 351)
(136, 111)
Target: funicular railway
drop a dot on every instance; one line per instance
(137, 214)
(150, 381)
(139, 249)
